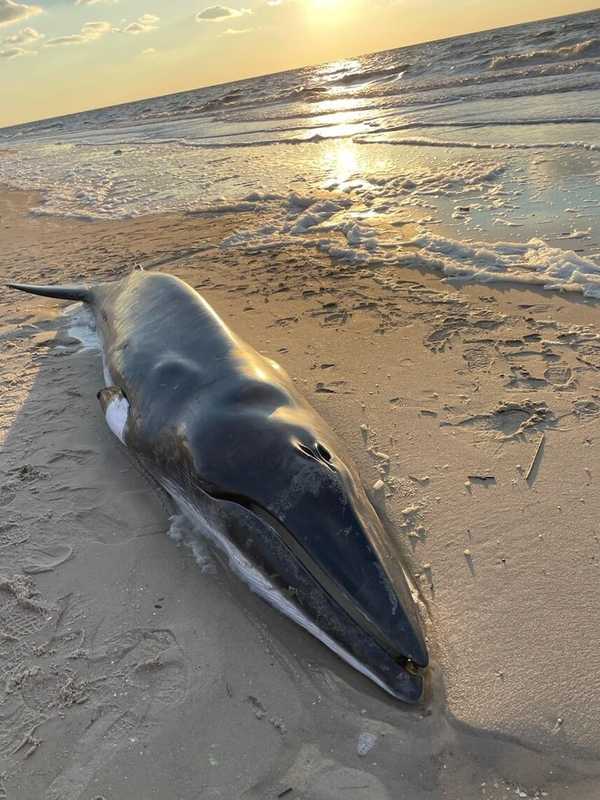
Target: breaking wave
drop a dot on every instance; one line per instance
(588, 49)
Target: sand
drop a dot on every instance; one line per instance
(130, 671)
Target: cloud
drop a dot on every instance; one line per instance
(89, 32)
(74, 38)
(149, 51)
(135, 28)
(14, 52)
(220, 13)
(144, 24)
(95, 2)
(25, 36)
(236, 31)
(11, 12)
(94, 30)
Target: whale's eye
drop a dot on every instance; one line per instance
(323, 451)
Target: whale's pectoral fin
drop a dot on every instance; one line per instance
(116, 410)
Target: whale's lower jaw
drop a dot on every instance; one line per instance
(259, 583)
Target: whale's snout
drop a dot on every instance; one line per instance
(316, 531)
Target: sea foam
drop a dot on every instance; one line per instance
(463, 139)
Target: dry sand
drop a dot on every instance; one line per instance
(129, 672)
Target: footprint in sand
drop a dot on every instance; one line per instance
(477, 357)
(46, 558)
(27, 473)
(317, 777)
(7, 495)
(523, 380)
(585, 407)
(11, 535)
(120, 682)
(349, 783)
(558, 376)
(508, 420)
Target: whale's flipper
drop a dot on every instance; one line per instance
(82, 293)
(116, 410)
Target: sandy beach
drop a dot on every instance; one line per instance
(132, 670)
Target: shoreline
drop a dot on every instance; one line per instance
(439, 393)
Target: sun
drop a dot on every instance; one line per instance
(325, 4)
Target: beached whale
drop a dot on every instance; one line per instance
(223, 430)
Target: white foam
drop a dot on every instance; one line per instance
(534, 263)
(575, 234)
(348, 232)
(182, 532)
(316, 214)
(359, 235)
(82, 326)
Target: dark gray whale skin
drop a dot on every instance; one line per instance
(224, 429)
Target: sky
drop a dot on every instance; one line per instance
(63, 56)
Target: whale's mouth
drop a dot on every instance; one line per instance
(336, 593)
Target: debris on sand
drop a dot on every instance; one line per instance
(366, 742)
(536, 457)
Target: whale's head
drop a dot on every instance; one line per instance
(276, 458)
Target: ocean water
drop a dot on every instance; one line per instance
(476, 156)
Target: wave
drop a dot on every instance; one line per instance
(439, 76)
(588, 49)
(315, 138)
(423, 141)
(546, 34)
(361, 130)
(368, 75)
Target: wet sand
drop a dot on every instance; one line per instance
(474, 416)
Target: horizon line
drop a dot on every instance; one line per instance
(150, 98)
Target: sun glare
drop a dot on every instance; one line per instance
(346, 162)
(340, 162)
(323, 5)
